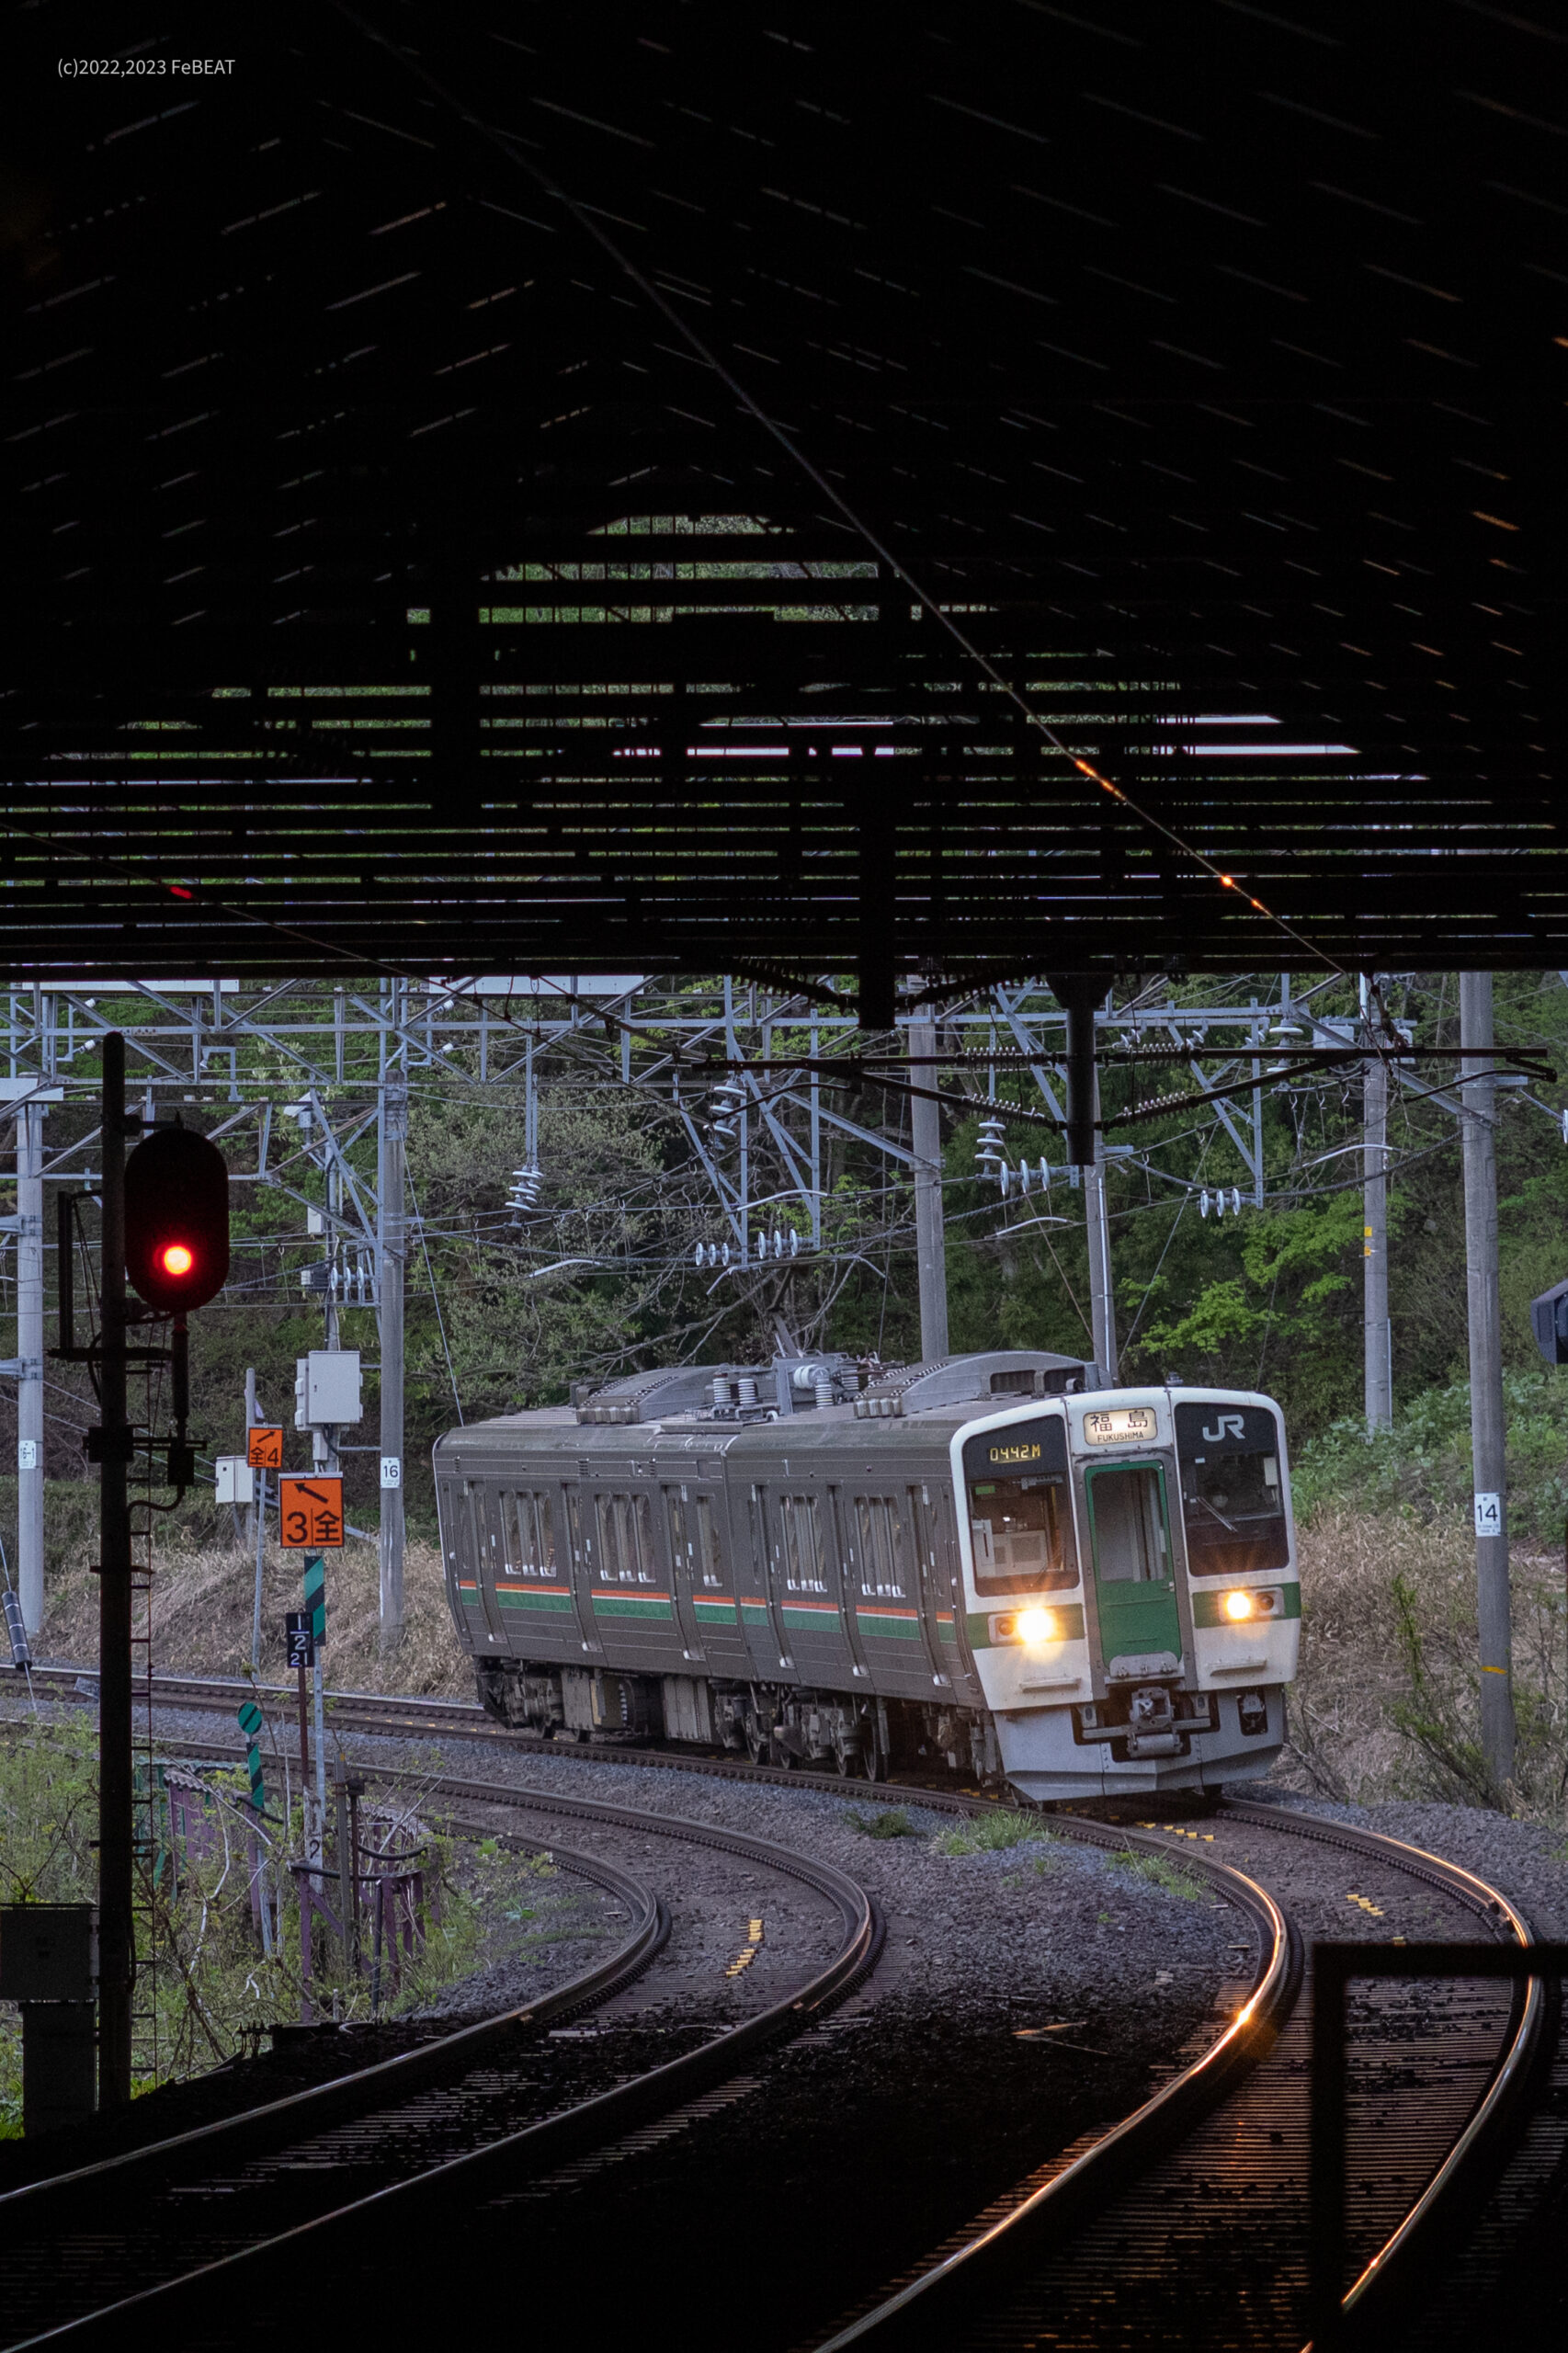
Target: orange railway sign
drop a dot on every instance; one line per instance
(264, 1448)
(310, 1516)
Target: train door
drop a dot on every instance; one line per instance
(885, 1583)
(941, 1599)
(1134, 1566)
(840, 1579)
(809, 1606)
(704, 1588)
(580, 1567)
(764, 1612)
(490, 1552)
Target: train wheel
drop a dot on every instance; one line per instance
(844, 1756)
(873, 1756)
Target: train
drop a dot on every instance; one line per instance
(992, 1564)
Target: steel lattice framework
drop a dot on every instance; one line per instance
(570, 497)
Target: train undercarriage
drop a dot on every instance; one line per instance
(860, 1738)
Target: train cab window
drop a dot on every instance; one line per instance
(879, 1531)
(1232, 1497)
(1019, 1514)
(529, 1535)
(799, 1543)
(626, 1541)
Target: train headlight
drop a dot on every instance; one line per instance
(1238, 1606)
(1036, 1626)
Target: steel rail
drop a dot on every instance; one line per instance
(516, 2156)
(973, 2275)
(1147, 2131)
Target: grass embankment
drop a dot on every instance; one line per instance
(202, 1600)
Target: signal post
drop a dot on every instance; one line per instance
(165, 1225)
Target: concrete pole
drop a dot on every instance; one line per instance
(1375, 1247)
(117, 1948)
(30, 1351)
(931, 1240)
(392, 1251)
(1486, 1425)
(1102, 1298)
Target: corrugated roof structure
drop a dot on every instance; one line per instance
(659, 488)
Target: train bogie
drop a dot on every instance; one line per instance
(992, 1562)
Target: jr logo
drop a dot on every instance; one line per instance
(1227, 1425)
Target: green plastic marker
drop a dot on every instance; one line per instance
(250, 1723)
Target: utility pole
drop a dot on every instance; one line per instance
(29, 1355)
(392, 1250)
(1080, 995)
(117, 1958)
(931, 1240)
(1486, 1426)
(1378, 1333)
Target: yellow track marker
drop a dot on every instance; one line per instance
(749, 1950)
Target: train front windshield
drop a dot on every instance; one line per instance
(1019, 1514)
(1232, 1494)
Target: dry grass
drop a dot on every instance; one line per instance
(1386, 1703)
(201, 1618)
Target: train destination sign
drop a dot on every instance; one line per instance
(1021, 1453)
(310, 1513)
(1115, 1424)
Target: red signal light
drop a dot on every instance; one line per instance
(176, 1219)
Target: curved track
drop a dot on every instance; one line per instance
(438, 2123)
(1202, 2189)
(1136, 2242)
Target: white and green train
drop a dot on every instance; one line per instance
(989, 1561)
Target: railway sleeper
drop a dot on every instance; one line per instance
(770, 1723)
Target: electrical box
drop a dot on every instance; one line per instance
(1549, 1321)
(235, 1479)
(49, 1953)
(326, 1388)
(315, 1221)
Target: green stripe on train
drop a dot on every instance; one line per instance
(631, 1604)
(888, 1625)
(560, 1603)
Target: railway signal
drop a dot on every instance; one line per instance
(176, 1219)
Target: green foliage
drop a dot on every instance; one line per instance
(894, 1821)
(985, 1833)
(200, 1968)
(1423, 1465)
(1161, 1873)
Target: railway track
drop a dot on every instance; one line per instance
(1143, 2241)
(213, 2210)
(1204, 2184)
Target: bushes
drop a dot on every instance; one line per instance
(1422, 1467)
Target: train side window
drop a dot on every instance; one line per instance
(800, 1535)
(1232, 1499)
(530, 1527)
(708, 1561)
(880, 1528)
(626, 1541)
(1020, 1516)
